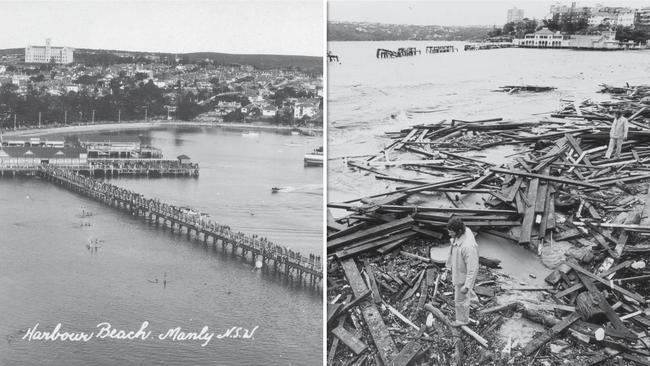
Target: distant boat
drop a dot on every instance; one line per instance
(315, 158)
(295, 132)
(189, 211)
(275, 189)
(250, 134)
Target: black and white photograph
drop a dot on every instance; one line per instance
(487, 172)
(161, 182)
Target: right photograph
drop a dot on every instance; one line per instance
(488, 172)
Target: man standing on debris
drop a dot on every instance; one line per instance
(617, 134)
(463, 263)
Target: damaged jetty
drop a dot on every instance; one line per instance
(556, 196)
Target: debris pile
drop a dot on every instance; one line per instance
(388, 301)
(510, 89)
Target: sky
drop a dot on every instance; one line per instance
(287, 27)
(448, 12)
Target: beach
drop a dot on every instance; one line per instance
(114, 126)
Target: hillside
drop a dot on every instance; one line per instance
(106, 57)
(355, 31)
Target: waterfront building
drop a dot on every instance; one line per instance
(46, 54)
(515, 15)
(34, 156)
(100, 146)
(15, 141)
(543, 38)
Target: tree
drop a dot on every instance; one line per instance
(495, 32)
(625, 34)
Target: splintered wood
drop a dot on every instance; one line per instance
(557, 186)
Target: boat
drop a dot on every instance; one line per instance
(250, 134)
(275, 189)
(295, 132)
(315, 158)
(189, 211)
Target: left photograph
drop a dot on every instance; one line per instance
(161, 183)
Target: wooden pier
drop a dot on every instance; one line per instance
(151, 168)
(488, 46)
(401, 52)
(441, 49)
(292, 265)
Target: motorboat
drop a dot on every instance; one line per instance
(315, 158)
(250, 134)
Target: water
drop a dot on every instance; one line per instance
(48, 276)
(370, 96)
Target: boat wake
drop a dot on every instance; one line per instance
(307, 189)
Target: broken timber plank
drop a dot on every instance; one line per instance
(578, 286)
(335, 344)
(375, 244)
(604, 305)
(354, 302)
(415, 286)
(377, 230)
(406, 354)
(546, 177)
(611, 285)
(529, 215)
(457, 356)
(376, 296)
(539, 341)
(378, 331)
(353, 343)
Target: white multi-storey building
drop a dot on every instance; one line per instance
(46, 54)
(515, 15)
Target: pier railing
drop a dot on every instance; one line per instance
(259, 249)
(109, 167)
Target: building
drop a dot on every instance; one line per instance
(269, 111)
(515, 15)
(543, 38)
(604, 40)
(107, 147)
(46, 54)
(31, 142)
(642, 19)
(305, 109)
(626, 18)
(27, 157)
(561, 9)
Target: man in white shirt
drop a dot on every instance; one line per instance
(617, 134)
(463, 263)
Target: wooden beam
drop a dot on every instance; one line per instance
(546, 178)
(604, 305)
(353, 343)
(578, 286)
(539, 341)
(614, 287)
(375, 231)
(529, 215)
(406, 354)
(378, 330)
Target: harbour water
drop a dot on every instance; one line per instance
(49, 276)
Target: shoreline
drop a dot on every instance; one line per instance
(114, 126)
